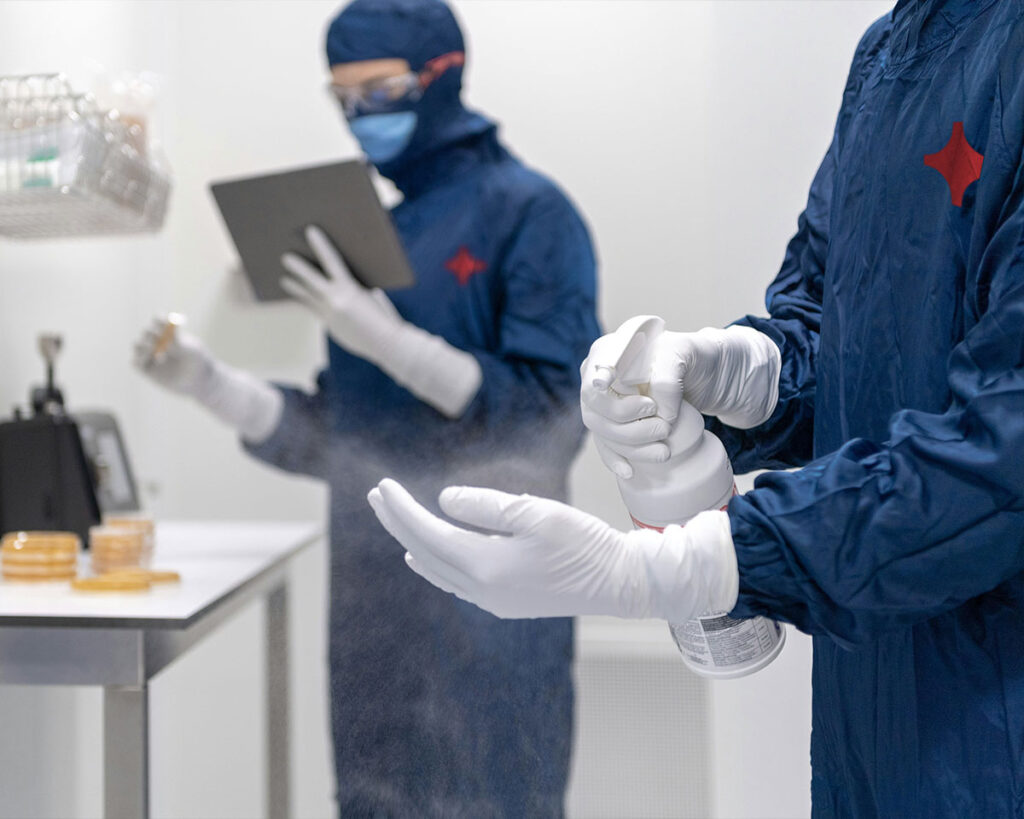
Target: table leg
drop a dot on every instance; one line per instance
(278, 736)
(126, 752)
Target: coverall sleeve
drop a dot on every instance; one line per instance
(794, 308)
(883, 535)
(547, 320)
(299, 443)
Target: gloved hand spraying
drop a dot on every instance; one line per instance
(180, 362)
(366, 323)
(732, 374)
(555, 561)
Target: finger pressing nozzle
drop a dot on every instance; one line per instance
(603, 377)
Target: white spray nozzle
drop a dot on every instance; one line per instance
(626, 354)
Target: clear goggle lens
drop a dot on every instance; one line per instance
(377, 96)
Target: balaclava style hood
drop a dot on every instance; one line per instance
(418, 31)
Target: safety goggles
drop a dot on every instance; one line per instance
(389, 94)
(378, 96)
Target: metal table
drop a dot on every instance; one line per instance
(51, 635)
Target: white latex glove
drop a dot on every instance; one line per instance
(185, 366)
(366, 323)
(362, 321)
(556, 561)
(732, 373)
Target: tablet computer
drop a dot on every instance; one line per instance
(267, 215)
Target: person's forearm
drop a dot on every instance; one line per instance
(785, 438)
(244, 402)
(433, 370)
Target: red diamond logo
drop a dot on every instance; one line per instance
(464, 264)
(958, 162)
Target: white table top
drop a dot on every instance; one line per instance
(216, 560)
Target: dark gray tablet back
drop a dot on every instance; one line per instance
(266, 216)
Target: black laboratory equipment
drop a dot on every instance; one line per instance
(59, 470)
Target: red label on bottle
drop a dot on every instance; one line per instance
(639, 524)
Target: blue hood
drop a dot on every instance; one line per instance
(417, 31)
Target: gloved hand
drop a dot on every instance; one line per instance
(185, 366)
(366, 323)
(362, 321)
(556, 561)
(731, 373)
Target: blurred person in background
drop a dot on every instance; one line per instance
(438, 708)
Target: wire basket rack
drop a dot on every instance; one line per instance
(68, 168)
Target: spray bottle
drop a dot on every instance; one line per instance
(698, 476)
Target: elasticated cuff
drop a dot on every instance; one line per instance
(767, 584)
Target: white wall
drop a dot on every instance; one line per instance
(686, 131)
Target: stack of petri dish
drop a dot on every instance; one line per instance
(116, 547)
(39, 556)
(140, 523)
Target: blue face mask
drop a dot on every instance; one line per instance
(383, 136)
